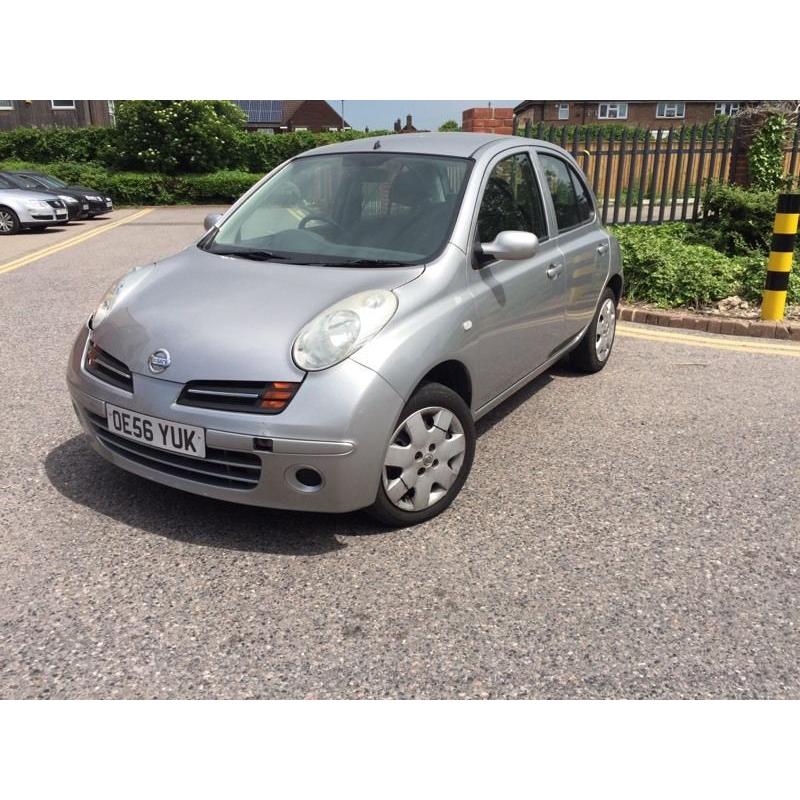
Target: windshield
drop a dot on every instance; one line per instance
(25, 182)
(47, 180)
(349, 209)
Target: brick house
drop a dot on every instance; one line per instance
(51, 113)
(636, 113)
(280, 116)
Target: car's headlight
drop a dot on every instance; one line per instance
(119, 289)
(94, 197)
(340, 330)
(67, 199)
(36, 205)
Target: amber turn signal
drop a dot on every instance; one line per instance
(276, 395)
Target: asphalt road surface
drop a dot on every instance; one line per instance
(630, 534)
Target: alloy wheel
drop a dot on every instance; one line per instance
(606, 328)
(424, 458)
(6, 222)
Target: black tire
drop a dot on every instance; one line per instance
(9, 224)
(585, 357)
(429, 395)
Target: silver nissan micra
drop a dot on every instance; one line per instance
(330, 341)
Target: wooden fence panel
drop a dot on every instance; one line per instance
(644, 175)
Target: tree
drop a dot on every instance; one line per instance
(174, 136)
(450, 125)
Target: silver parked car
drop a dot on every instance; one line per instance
(21, 209)
(330, 342)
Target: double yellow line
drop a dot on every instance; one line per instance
(81, 237)
(760, 346)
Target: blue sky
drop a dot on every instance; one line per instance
(430, 114)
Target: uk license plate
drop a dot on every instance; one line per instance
(155, 432)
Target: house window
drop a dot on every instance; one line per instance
(612, 111)
(727, 109)
(563, 110)
(62, 104)
(6, 105)
(670, 110)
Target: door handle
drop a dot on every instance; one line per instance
(602, 250)
(554, 270)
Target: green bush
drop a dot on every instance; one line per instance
(148, 188)
(148, 141)
(737, 221)
(175, 136)
(58, 144)
(217, 187)
(753, 274)
(263, 152)
(664, 269)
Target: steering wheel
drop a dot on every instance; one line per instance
(321, 218)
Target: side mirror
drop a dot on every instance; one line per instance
(211, 220)
(510, 246)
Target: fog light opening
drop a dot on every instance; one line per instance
(304, 478)
(309, 477)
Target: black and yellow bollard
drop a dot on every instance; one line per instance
(780, 258)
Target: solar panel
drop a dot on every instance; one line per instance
(262, 110)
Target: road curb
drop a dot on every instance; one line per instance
(730, 326)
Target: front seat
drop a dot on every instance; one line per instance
(420, 190)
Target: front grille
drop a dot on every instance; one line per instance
(249, 396)
(109, 369)
(56, 203)
(229, 469)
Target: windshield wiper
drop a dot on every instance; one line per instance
(253, 255)
(362, 262)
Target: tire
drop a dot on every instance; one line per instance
(9, 222)
(594, 349)
(414, 446)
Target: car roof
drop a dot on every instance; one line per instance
(462, 145)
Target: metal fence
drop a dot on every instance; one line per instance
(656, 174)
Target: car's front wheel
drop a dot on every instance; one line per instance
(428, 457)
(9, 222)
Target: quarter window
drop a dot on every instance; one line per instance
(512, 200)
(570, 196)
(727, 109)
(6, 105)
(612, 111)
(563, 110)
(59, 104)
(670, 110)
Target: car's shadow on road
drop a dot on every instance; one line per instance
(81, 475)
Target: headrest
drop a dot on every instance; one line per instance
(413, 187)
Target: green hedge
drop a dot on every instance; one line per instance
(149, 188)
(251, 152)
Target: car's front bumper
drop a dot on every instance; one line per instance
(338, 424)
(40, 217)
(99, 207)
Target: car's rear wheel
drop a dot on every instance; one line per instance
(428, 457)
(594, 349)
(9, 221)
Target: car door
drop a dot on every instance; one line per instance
(580, 237)
(519, 305)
